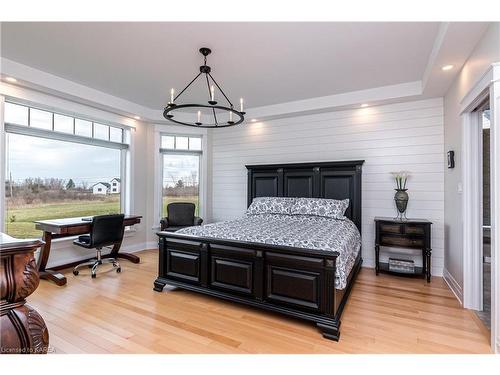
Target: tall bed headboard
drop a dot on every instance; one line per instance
(333, 180)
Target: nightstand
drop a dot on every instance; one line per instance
(414, 234)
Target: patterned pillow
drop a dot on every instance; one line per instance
(271, 205)
(320, 207)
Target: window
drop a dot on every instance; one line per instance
(101, 131)
(40, 119)
(63, 124)
(181, 156)
(16, 114)
(52, 173)
(176, 142)
(115, 134)
(83, 128)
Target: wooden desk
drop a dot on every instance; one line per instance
(59, 228)
(23, 329)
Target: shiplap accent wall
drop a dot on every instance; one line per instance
(402, 136)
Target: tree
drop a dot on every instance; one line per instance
(70, 184)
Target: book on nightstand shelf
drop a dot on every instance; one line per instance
(401, 265)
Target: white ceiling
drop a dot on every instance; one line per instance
(267, 63)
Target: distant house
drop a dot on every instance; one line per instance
(101, 188)
(115, 185)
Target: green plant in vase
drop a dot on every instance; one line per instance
(401, 196)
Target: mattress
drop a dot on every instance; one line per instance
(301, 231)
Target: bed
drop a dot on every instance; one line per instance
(286, 258)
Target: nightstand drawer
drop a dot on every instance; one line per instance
(401, 241)
(415, 229)
(391, 228)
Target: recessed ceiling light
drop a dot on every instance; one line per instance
(254, 120)
(364, 105)
(137, 117)
(10, 79)
(447, 67)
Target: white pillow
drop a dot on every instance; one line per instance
(320, 207)
(271, 205)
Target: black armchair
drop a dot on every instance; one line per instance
(106, 230)
(180, 215)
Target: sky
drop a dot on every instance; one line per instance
(29, 156)
(36, 157)
(33, 157)
(177, 167)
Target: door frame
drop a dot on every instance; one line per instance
(472, 203)
(489, 84)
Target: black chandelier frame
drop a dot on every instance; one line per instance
(212, 104)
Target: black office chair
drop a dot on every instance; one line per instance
(106, 230)
(180, 215)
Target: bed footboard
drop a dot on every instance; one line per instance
(296, 282)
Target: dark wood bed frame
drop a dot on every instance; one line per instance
(293, 281)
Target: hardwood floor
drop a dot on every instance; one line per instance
(120, 313)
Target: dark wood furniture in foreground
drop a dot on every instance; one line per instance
(23, 330)
(414, 234)
(59, 228)
(293, 281)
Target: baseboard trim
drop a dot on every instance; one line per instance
(139, 247)
(453, 285)
(134, 248)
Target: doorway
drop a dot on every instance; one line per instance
(485, 312)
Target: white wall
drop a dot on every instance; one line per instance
(486, 52)
(404, 136)
(62, 249)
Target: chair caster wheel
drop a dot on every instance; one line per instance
(75, 273)
(94, 275)
(118, 270)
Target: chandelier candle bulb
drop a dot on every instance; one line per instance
(241, 104)
(212, 93)
(230, 115)
(199, 116)
(172, 91)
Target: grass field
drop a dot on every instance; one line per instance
(23, 226)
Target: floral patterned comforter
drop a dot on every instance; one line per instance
(303, 231)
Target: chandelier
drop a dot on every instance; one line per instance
(219, 115)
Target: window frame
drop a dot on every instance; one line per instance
(177, 135)
(125, 147)
(201, 165)
(75, 117)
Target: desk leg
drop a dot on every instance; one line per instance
(428, 253)
(377, 259)
(116, 254)
(46, 274)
